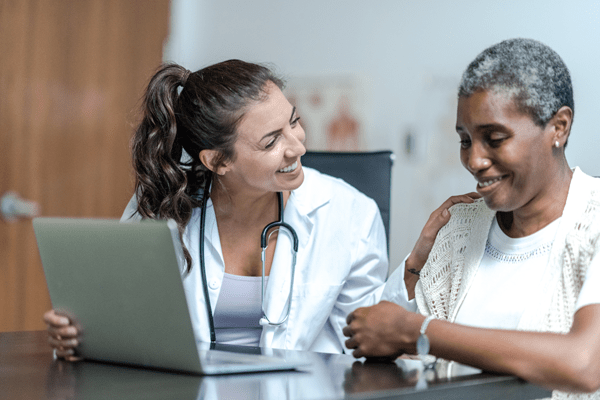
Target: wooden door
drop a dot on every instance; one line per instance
(71, 75)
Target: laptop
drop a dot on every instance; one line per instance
(121, 285)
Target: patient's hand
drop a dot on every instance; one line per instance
(384, 330)
(62, 335)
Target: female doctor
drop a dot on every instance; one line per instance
(244, 142)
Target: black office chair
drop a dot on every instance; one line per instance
(369, 172)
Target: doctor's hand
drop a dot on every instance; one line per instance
(417, 258)
(62, 335)
(384, 330)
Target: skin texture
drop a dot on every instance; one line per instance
(270, 139)
(497, 141)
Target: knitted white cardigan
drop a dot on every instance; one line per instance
(448, 274)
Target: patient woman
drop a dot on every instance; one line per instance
(511, 282)
(244, 142)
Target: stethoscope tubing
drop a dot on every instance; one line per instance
(263, 240)
(263, 244)
(211, 322)
(275, 224)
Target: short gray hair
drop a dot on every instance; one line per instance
(529, 71)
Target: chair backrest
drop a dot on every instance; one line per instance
(369, 172)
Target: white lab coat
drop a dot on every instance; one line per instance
(341, 265)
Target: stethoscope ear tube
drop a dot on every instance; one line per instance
(263, 236)
(211, 322)
(274, 224)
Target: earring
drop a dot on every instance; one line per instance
(557, 144)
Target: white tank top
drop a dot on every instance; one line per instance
(238, 310)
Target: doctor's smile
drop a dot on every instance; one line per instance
(289, 169)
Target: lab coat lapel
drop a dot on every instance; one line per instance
(212, 245)
(211, 234)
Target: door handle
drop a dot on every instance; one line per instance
(13, 207)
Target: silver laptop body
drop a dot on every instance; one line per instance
(121, 285)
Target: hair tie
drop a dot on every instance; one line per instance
(184, 78)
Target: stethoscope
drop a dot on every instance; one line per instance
(263, 244)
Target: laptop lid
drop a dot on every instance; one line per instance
(121, 285)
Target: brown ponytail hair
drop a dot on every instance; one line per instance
(183, 111)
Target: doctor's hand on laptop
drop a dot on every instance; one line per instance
(62, 335)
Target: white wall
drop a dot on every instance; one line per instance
(413, 53)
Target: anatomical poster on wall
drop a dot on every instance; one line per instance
(331, 110)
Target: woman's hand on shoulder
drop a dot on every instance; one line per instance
(440, 217)
(63, 336)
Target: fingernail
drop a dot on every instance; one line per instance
(445, 212)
